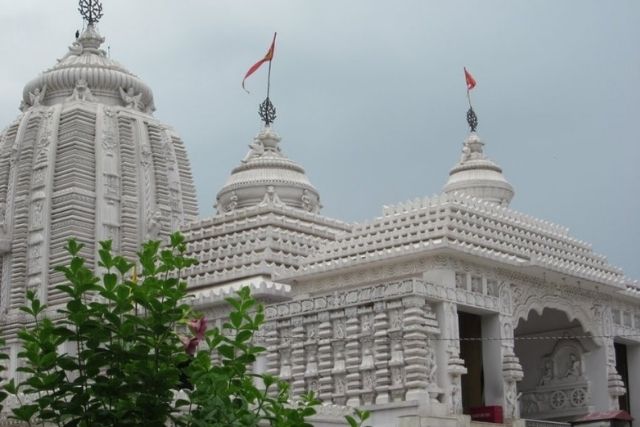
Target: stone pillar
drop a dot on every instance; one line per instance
(311, 350)
(455, 365)
(284, 354)
(396, 362)
(501, 327)
(272, 342)
(297, 358)
(615, 385)
(432, 329)
(352, 350)
(325, 357)
(415, 349)
(339, 371)
(367, 364)
(512, 374)
(381, 347)
(597, 374)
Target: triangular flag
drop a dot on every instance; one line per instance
(471, 82)
(268, 57)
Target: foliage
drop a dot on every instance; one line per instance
(3, 358)
(111, 356)
(227, 394)
(360, 416)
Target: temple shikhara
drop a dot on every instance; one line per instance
(440, 311)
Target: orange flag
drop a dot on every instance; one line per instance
(471, 82)
(267, 58)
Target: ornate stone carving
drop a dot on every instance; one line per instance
(130, 99)
(81, 92)
(37, 96)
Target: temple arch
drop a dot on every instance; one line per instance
(573, 310)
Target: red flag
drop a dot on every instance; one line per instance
(267, 58)
(471, 82)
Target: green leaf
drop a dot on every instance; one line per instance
(226, 351)
(244, 336)
(24, 412)
(236, 319)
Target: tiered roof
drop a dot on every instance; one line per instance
(259, 240)
(468, 225)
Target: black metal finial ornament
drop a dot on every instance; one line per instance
(267, 112)
(91, 10)
(472, 119)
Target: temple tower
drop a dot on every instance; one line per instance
(85, 159)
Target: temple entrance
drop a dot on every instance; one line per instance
(561, 366)
(622, 367)
(482, 385)
(471, 351)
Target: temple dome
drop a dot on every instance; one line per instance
(264, 175)
(85, 160)
(87, 66)
(478, 176)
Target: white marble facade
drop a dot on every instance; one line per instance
(364, 314)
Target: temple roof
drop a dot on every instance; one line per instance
(466, 225)
(258, 240)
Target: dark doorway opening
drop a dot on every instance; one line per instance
(623, 369)
(471, 351)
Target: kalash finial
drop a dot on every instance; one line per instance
(91, 10)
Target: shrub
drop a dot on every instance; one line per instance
(111, 356)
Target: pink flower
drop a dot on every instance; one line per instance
(190, 344)
(198, 327)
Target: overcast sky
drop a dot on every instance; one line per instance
(371, 95)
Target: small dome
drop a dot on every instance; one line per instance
(478, 176)
(266, 175)
(86, 72)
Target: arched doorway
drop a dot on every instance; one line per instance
(558, 357)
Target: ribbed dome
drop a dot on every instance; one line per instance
(84, 67)
(266, 174)
(478, 176)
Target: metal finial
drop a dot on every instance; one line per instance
(267, 112)
(472, 119)
(91, 10)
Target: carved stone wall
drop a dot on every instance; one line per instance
(563, 388)
(359, 347)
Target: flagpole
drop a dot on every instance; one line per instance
(269, 79)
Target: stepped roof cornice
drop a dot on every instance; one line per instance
(460, 223)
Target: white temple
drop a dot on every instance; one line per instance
(431, 313)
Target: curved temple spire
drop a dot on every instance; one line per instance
(91, 10)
